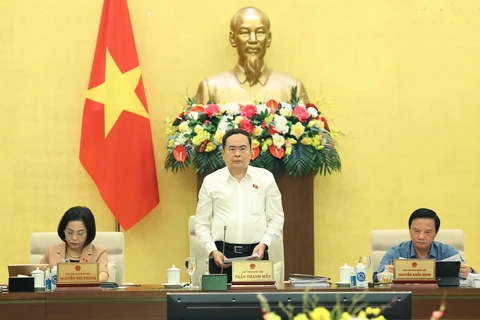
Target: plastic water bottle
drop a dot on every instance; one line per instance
(48, 281)
(361, 276)
(53, 276)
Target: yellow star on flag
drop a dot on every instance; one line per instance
(117, 93)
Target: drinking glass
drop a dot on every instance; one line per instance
(367, 262)
(191, 265)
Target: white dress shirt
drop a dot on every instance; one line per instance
(251, 209)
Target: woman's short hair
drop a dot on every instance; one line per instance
(78, 213)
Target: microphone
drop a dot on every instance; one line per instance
(223, 250)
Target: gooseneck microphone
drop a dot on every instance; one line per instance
(223, 249)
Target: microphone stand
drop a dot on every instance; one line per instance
(223, 249)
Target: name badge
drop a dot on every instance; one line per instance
(252, 271)
(77, 273)
(414, 269)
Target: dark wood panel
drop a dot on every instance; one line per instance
(22, 306)
(297, 199)
(149, 302)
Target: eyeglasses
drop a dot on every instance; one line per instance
(71, 233)
(242, 149)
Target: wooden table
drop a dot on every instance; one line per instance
(149, 302)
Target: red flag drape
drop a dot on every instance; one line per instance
(116, 147)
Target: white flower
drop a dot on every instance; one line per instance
(278, 140)
(286, 109)
(224, 123)
(261, 108)
(193, 115)
(180, 140)
(232, 108)
(312, 111)
(281, 124)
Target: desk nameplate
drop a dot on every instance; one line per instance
(69, 273)
(252, 271)
(414, 269)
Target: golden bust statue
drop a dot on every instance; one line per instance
(251, 79)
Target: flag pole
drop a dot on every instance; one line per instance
(117, 226)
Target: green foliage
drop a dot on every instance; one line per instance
(207, 162)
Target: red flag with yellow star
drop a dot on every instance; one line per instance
(116, 145)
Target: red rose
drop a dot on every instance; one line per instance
(212, 110)
(247, 125)
(301, 113)
(248, 111)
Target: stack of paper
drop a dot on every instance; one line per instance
(308, 281)
(473, 280)
(3, 287)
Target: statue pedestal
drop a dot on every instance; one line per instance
(298, 237)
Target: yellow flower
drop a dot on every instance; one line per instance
(257, 131)
(297, 130)
(219, 136)
(316, 123)
(198, 129)
(372, 311)
(288, 150)
(320, 313)
(238, 119)
(306, 141)
(210, 147)
(316, 141)
(183, 126)
(169, 131)
(266, 144)
(255, 143)
(345, 316)
(200, 137)
(300, 316)
(269, 118)
(271, 316)
(170, 144)
(362, 315)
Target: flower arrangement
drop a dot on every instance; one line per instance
(286, 136)
(314, 312)
(311, 310)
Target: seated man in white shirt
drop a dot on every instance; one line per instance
(243, 198)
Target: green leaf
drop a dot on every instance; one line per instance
(207, 162)
(172, 164)
(300, 161)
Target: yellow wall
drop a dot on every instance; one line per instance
(403, 77)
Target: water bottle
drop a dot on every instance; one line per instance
(48, 281)
(53, 276)
(361, 276)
